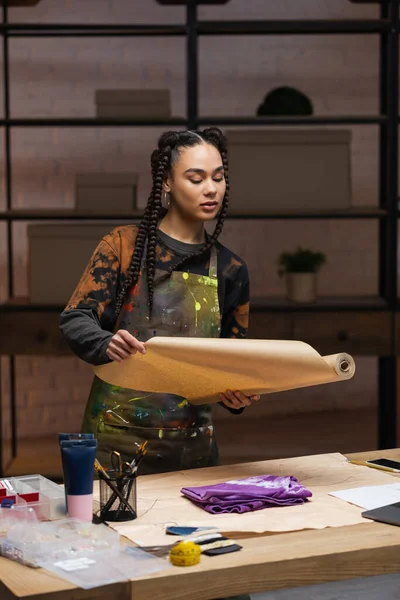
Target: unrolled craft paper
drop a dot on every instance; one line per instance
(199, 369)
(161, 503)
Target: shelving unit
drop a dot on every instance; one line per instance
(367, 324)
(45, 215)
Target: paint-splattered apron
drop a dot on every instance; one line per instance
(180, 436)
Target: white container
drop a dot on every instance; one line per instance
(289, 170)
(106, 192)
(58, 255)
(133, 104)
(301, 287)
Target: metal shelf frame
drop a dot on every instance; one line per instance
(387, 27)
(242, 27)
(54, 215)
(197, 120)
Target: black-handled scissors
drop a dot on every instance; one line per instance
(116, 463)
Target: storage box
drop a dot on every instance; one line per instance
(133, 104)
(289, 170)
(58, 255)
(24, 3)
(106, 192)
(45, 497)
(63, 540)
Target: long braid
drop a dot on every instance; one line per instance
(132, 275)
(134, 268)
(159, 178)
(161, 162)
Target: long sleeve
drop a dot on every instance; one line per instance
(87, 320)
(84, 335)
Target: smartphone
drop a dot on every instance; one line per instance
(393, 465)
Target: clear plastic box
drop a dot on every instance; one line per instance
(51, 496)
(10, 517)
(68, 539)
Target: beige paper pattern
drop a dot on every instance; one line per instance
(160, 502)
(199, 369)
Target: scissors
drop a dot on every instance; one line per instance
(120, 468)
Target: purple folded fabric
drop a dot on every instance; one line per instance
(245, 495)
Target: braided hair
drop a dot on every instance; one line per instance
(162, 161)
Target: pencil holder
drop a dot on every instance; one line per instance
(118, 498)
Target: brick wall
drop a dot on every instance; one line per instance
(58, 78)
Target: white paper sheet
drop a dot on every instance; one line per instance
(372, 496)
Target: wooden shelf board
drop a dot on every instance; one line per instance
(257, 304)
(21, 214)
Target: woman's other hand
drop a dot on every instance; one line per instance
(237, 399)
(123, 345)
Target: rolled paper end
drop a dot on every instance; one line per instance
(344, 366)
(80, 507)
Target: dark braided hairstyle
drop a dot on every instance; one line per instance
(162, 160)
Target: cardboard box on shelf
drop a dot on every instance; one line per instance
(106, 192)
(133, 104)
(22, 2)
(58, 255)
(289, 170)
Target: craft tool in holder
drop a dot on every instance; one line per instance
(118, 500)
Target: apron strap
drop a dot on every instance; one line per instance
(213, 270)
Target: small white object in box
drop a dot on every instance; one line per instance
(133, 104)
(58, 255)
(106, 192)
(289, 170)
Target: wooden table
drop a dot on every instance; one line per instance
(266, 562)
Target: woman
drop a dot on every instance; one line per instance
(166, 277)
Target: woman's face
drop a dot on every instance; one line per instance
(197, 184)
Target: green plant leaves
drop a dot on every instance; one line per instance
(301, 261)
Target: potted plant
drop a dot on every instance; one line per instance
(300, 269)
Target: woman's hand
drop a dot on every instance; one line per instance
(237, 399)
(122, 345)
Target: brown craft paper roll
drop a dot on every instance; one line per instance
(199, 369)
